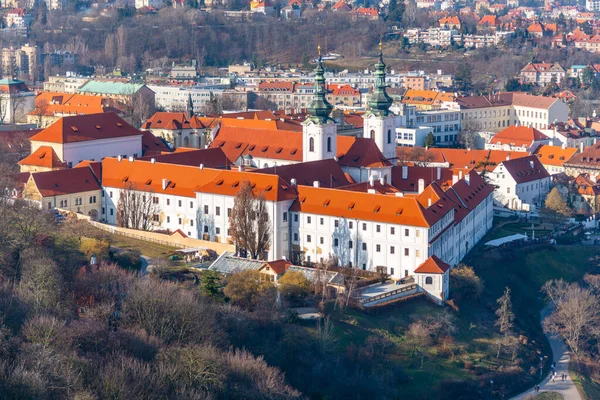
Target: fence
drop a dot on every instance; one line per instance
(114, 231)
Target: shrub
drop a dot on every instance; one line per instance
(464, 281)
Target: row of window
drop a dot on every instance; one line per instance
(78, 201)
(336, 243)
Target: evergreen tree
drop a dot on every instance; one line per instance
(429, 140)
(209, 286)
(395, 11)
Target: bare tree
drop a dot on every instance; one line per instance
(136, 209)
(40, 110)
(505, 319)
(135, 104)
(249, 222)
(576, 315)
(17, 104)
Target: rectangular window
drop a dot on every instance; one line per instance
(191, 222)
(322, 221)
(364, 226)
(155, 217)
(111, 211)
(218, 210)
(218, 230)
(154, 200)
(179, 203)
(406, 232)
(168, 202)
(392, 250)
(364, 246)
(205, 228)
(418, 233)
(205, 209)
(378, 248)
(350, 225)
(110, 194)
(308, 220)
(308, 239)
(406, 252)
(336, 223)
(179, 221)
(392, 231)
(191, 204)
(295, 217)
(285, 217)
(168, 219)
(335, 243)
(350, 244)
(321, 240)
(295, 237)
(228, 212)
(378, 228)
(391, 271)
(418, 253)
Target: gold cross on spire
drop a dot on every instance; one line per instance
(319, 49)
(381, 42)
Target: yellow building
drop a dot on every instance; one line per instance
(76, 190)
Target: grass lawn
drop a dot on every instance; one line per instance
(549, 396)
(149, 249)
(589, 388)
(519, 227)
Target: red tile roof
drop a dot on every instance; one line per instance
(65, 181)
(89, 127)
(52, 103)
(279, 266)
(44, 156)
(518, 136)
(428, 174)
(359, 152)
(174, 121)
(209, 158)
(525, 169)
(433, 265)
(327, 172)
(152, 145)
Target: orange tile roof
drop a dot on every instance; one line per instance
(209, 158)
(518, 136)
(173, 121)
(44, 156)
(554, 155)
(327, 172)
(148, 177)
(186, 180)
(426, 97)
(65, 181)
(450, 21)
(82, 128)
(433, 265)
(428, 174)
(52, 103)
(490, 20)
(228, 183)
(370, 207)
(472, 159)
(279, 266)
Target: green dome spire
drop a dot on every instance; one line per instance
(380, 101)
(319, 109)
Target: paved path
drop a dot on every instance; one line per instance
(561, 356)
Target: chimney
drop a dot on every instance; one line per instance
(439, 173)
(404, 172)
(581, 147)
(130, 158)
(293, 181)
(371, 181)
(371, 191)
(454, 179)
(399, 194)
(241, 168)
(165, 183)
(531, 164)
(119, 157)
(429, 202)
(316, 183)
(382, 180)
(201, 166)
(468, 178)
(421, 185)
(152, 160)
(459, 175)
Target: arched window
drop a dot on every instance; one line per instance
(328, 144)
(372, 134)
(311, 144)
(389, 136)
(186, 141)
(429, 280)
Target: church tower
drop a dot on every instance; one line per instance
(379, 122)
(190, 106)
(319, 129)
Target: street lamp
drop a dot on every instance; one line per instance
(541, 366)
(492, 387)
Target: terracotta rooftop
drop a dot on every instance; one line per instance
(44, 156)
(518, 136)
(433, 265)
(525, 169)
(65, 181)
(83, 128)
(554, 155)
